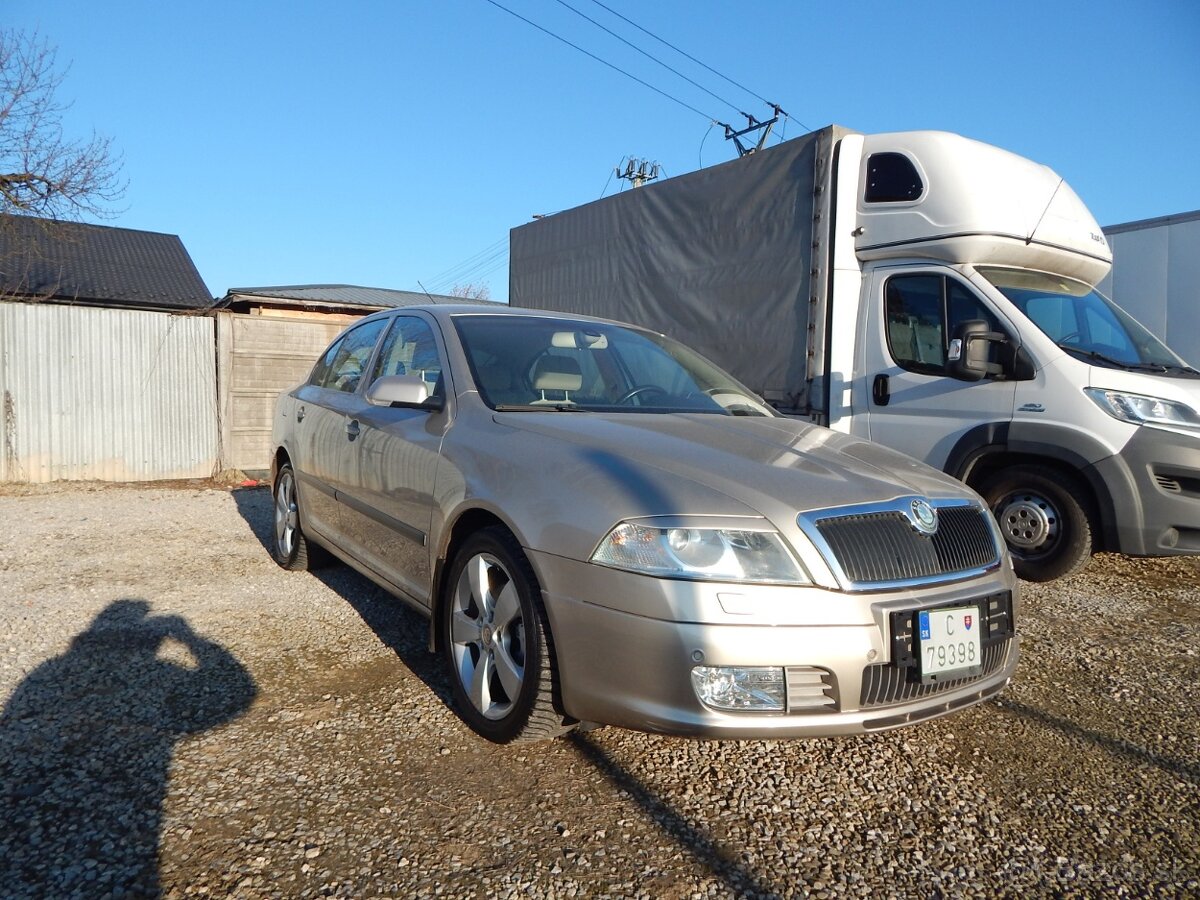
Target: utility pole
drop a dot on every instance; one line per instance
(752, 124)
(638, 171)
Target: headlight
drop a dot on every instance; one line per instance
(1139, 410)
(709, 554)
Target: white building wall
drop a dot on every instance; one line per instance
(1156, 278)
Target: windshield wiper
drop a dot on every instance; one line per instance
(540, 407)
(1119, 363)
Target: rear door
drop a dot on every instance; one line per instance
(912, 404)
(324, 447)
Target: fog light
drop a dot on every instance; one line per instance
(755, 688)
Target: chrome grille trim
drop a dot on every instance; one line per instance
(876, 547)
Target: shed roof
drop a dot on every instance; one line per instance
(349, 295)
(98, 265)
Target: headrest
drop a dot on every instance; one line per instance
(557, 373)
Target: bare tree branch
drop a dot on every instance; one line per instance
(471, 291)
(42, 171)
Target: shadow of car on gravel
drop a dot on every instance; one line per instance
(86, 742)
(405, 631)
(400, 628)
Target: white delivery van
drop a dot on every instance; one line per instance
(927, 291)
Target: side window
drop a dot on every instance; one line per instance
(915, 324)
(892, 178)
(410, 349)
(341, 368)
(922, 312)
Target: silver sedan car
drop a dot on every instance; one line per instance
(603, 527)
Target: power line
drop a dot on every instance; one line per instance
(649, 56)
(477, 271)
(692, 58)
(615, 68)
(452, 271)
(474, 266)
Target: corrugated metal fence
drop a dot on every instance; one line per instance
(106, 394)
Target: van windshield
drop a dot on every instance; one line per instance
(1085, 323)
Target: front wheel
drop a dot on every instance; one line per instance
(496, 642)
(1045, 519)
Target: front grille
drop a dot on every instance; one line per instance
(885, 685)
(883, 546)
(899, 680)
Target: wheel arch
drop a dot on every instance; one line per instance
(466, 523)
(990, 448)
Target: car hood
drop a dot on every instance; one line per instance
(776, 467)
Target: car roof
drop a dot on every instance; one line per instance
(446, 311)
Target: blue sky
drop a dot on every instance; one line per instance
(386, 143)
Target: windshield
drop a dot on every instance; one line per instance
(1083, 322)
(544, 363)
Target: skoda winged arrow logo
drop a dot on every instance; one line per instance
(923, 516)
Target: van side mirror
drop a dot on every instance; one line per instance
(409, 391)
(970, 351)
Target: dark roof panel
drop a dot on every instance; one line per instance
(97, 265)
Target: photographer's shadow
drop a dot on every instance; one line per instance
(85, 751)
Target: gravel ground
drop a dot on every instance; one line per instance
(183, 718)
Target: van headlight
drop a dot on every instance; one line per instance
(1140, 410)
(708, 554)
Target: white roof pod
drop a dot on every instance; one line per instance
(943, 196)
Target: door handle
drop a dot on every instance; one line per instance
(880, 391)
(300, 414)
(353, 429)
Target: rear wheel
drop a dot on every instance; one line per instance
(291, 547)
(1045, 517)
(496, 642)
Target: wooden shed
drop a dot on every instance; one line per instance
(267, 341)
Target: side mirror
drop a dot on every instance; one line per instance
(970, 351)
(406, 391)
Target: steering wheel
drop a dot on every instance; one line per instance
(639, 390)
(1067, 337)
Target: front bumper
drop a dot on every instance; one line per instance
(625, 646)
(1154, 483)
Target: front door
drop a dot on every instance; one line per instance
(912, 404)
(388, 501)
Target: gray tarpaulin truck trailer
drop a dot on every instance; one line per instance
(927, 291)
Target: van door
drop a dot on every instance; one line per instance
(911, 403)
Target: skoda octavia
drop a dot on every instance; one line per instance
(603, 527)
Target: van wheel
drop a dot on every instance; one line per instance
(1045, 517)
(496, 642)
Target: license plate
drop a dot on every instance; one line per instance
(948, 642)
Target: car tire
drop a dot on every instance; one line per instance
(496, 642)
(1045, 517)
(290, 546)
